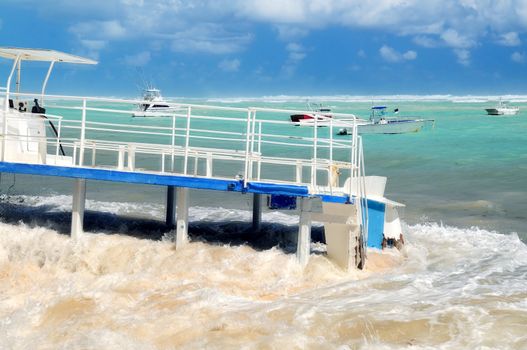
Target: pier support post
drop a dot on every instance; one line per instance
(257, 212)
(77, 210)
(304, 232)
(171, 208)
(182, 198)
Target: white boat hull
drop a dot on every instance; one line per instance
(392, 127)
(389, 127)
(165, 112)
(502, 111)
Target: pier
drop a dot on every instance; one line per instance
(251, 151)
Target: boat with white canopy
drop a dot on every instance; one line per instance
(502, 108)
(154, 105)
(380, 122)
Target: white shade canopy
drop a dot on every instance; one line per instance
(42, 55)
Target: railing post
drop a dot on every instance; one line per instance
(58, 142)
(83, 132)
(6, 107)
(173, 142)
(315, 153)
(208, 171)
(247, 147)
(131, 157)
(298, 172)
(93, 153)
(259, 171)
(120, 159)
(187, 140)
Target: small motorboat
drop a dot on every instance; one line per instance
(154, 105)
(502, 108)
(321, 114)
(380, 123)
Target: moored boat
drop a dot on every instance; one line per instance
(318, 112)
(154, 105)
(502, 108)
(380, 123)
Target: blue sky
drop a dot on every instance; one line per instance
(231, 48)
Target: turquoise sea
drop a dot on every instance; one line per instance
(460, 281)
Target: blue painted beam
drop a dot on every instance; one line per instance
(166, 180)
(123, 176)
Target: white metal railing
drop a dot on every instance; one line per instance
(262, 141)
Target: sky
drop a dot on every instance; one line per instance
(228, 48)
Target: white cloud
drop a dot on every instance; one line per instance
(99, 29)
(229, 65)
(518, 57)
(510, 39)
(456, 40)
(463, 56)
(138, 60)
(410, 55)
(391, 55)
(426, 41)
(458, 24)
(209, 38)
(361, 53)
(296, 54)
(95, 45)
(288, 33)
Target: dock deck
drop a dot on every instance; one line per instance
(247, 150)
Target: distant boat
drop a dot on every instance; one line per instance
(154, 105)
(380, 123)
(502, 109)
(318, 111)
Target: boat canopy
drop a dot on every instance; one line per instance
(42, 55)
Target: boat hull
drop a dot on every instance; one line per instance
(165, 112)
(502, 111)
(309, 119)
(391, 127)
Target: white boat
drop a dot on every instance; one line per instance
(379, 123)
(317, 112)
(154, 105)
(502, 109)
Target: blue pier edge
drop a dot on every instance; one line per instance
(167, 180)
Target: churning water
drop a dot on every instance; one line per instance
(123, 285)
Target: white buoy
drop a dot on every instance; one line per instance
(77, 210)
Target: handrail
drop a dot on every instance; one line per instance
(255, 137)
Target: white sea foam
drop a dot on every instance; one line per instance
(449, 288)
(375, 98)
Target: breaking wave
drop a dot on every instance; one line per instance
(122, 286)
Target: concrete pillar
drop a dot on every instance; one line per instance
(171, 208)
(304, 232)
(257, 212)
(182, 198)
(77, 210)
